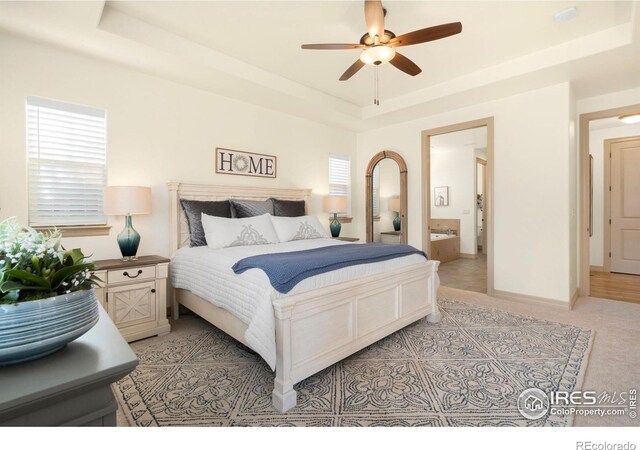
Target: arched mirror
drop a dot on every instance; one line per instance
(386, 207)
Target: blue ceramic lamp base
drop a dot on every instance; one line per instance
(335, 226)
(128, 240)
(396, 222)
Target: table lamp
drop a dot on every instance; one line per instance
(127, 201)
(335, 204)
(394, 205)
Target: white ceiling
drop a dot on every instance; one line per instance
(269, 34)
(609, 122)
(251, 50)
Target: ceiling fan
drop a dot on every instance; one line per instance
(379, 45)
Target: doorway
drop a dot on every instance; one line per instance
(457, 185)
(481, 188)
(610, 205)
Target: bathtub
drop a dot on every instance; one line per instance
(444, 247)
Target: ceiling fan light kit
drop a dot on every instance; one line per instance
(377, 55)
(630, 118)
(379, 45)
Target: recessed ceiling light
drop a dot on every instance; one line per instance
(630, 118)
(565, 14)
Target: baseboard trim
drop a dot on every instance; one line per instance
(596, 268)
(574, 298)
(468, 255)
(532, 300)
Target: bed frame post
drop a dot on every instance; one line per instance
(434, 281)
(284, 397)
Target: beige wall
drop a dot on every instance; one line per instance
(573, 161)
(157, 131)
(531, 185)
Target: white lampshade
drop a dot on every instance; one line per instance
(124, 200)
(394, 204)
(335, 204)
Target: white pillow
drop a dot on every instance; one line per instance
(297, 228)
(224, 232)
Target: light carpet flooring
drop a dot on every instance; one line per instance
(614, 362)
(466, 370)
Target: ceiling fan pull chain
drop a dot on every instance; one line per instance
(378, 85)
(375, 72)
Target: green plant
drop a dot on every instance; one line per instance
(34, 265)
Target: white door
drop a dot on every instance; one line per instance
(625, 207)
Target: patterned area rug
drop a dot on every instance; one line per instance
(467, 370)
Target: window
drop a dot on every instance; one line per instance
(376, 191)
(67, 172)
(340, 178)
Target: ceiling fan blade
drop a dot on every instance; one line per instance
(374, 17)
(427, 34)
(352, 70)
(405, 64)
(332, 46)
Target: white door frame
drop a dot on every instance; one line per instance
(483, 163)
(426, 187)
(583, 161)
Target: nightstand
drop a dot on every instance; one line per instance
(390, 237)
(347, 239)
(134, 294)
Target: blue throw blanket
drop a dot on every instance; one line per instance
(285, 270)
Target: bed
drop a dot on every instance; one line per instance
(323, 320)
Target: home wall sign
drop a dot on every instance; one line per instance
(234, 162)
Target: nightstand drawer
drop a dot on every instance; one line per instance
(131, 274)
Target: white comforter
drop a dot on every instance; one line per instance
(207, 273)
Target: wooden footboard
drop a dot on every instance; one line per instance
(319, 328)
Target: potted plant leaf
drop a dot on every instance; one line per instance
(47, 296)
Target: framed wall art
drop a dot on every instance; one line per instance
(441, 196)
(235, 162)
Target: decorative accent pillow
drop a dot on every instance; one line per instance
(222, 232)
(288, 208)
(193, 210)
(297, 228)
(251, 208)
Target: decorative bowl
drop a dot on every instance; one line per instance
(31, 330)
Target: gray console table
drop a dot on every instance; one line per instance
(71, 387)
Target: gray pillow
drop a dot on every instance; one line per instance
(288, 208)
(250, 208)
(193, 209)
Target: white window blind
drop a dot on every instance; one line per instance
(340, 178)
(66, 150)
(376, 191)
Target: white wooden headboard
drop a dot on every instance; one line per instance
(178, 228)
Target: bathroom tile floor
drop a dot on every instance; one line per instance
(466, 274)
